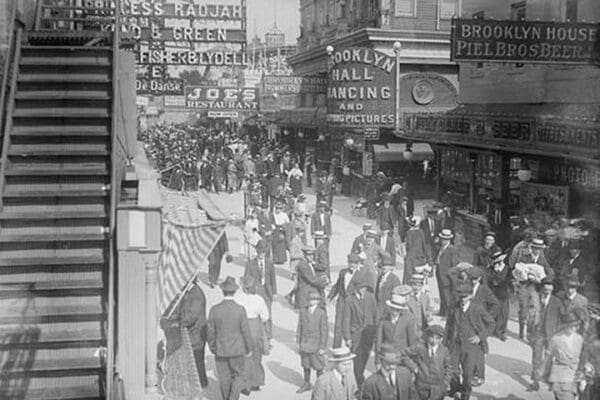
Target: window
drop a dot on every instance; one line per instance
(448, 8)
(405, 8)
(517, 11)
(571, 10)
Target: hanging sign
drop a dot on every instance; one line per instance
(221, 98)
(525, 41)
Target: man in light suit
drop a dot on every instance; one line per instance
(229, 339)
(337, 383)
(447, 259)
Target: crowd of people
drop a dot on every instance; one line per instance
(383, 314)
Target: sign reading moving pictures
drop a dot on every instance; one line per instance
(525, 41)
(360, 91)
(221, 98)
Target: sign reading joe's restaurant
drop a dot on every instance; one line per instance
(361, 88)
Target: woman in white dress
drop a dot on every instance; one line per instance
(251, 235)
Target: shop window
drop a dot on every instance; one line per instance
(448, 8)
(405, 8)
(571, 10)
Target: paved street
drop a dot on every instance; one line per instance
(508, 363)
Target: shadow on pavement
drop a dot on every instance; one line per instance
(284, 373)
(483, 396)
(509, 366)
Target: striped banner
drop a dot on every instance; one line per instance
(185, 249)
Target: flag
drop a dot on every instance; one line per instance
(185, 248)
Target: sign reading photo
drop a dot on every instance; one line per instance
(524, 41)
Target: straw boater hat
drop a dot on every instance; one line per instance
(318, 235)
(340, 354)
(498, 256)
(434, 330)
(417, 278)
(402, 290)
(229, 284)
(397, 302)
(537, 243)
(372, 234)
(446, 234)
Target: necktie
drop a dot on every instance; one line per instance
(383, 242)
(391, 378)
(431, 352)
(343, 381)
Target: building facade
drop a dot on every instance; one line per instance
(428, 79)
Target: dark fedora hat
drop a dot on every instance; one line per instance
(229, 285)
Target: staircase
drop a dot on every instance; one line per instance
(54, 221)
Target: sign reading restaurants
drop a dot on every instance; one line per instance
(525, 41)
(360, 91)
(221, 98)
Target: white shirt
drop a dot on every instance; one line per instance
(337, 374)
(465, 307)
(254, 305)
(348, 277)
(475, 287)
(383, 241)
(322, 218)
(545, 301)
(280, 218)
(384, 278)
(433, 350)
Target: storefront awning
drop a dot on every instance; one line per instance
(309, 117)
(394, 152)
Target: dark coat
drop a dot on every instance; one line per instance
(483, 258)
(484, 297)
(316, 225)
(308, 279)
(447, 258)
(339, 290)
(390, 246)
(401, 335)
(312, 332)
(193, 316)
(383, 291)
(387, 214)
(480, 320)
(270, 283)
(359, 244)
(433, 372)
(549, 320)
(322, 258)
(377, 386)
(358, 315)
(228, 333)
(499, 282)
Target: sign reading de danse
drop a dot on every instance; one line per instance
(525, 41)
(221, 98)
(360, 91)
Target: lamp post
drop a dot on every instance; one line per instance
(397, 49)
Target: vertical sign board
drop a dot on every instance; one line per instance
(361, 89)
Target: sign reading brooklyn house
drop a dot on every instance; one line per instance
(360, 89)
(221, 98)
(525, 41)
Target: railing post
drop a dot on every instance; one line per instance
(151, 262)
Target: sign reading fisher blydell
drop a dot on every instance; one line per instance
(361, 88)
(525, 41)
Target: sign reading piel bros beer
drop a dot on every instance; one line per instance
(525, 41)
(361, 88)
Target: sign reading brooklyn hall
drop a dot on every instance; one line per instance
(525, 41)
(361, 88)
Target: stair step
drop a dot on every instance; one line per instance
(51, 314)
(55, 193)
(58, 149)
(54, 393)
(56, 49)
(53, 215)
(62, 77)
(63, 112)
(56, 170)
(49, 237)
(61, 130)
(37, 384)
(51, 333)
(70, 60)
(62, 95)
(51, 285)
(51, 260)
(68, 366)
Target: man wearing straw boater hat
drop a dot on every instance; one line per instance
(447, 258)
(431, 363)
(391, 381)
(229, 339)
(338, 383)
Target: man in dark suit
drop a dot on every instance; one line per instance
(386, 214)
(386, 282)
(261, 269)
(447, 258)
(359, 325)
(500, 283)
(309, 278)
(431, 364)
(545, 325)
(343, 287)
(321, 220)
(430, 227)
(576, 304)
(386, 241)
(360, 242)
(229, 339)
(467, 330)
(193, 317)
(403, 214)
(483, 296)
(391, 381)
(322, 253)
(483, 253)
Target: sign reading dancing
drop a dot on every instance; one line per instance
(525, 41)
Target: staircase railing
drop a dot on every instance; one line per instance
(10, 71)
